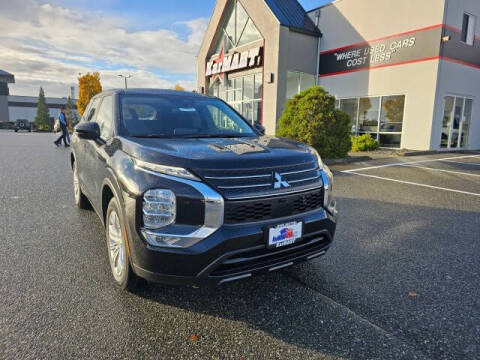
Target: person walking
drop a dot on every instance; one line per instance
(62, 118)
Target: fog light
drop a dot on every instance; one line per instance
(159, 208)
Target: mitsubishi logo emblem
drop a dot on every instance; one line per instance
(279, 183)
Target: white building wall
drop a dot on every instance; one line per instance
(346, 22)
(457, 79)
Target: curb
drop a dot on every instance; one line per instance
(347, 160)
(434, 152)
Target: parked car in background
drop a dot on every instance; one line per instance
(22, 124)
(191, 193)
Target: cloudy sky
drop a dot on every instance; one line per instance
(48, 43)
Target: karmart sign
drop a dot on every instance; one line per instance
(237, 61)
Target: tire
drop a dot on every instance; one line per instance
(119, 260)
(80, 199)
(16, 130)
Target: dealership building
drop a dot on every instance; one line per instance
(407, 72)
(16, 107)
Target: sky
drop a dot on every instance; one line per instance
(49, 43)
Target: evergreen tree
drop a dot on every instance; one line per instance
(42, 120)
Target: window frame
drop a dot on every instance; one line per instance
(378, 132)
(464, 36)
(99, 107)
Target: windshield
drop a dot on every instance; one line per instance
(180, 116)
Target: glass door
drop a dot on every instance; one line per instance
(457, 115)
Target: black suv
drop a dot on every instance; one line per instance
(22, 124)
(191, 193)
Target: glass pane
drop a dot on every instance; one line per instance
(458, 113)
(248, 87)
(105, 118)
(247, 111)
(230, 28)
(258, 86)
(292, 84)
(368, 116)
(257, 112)
(447, 114)
(350, 106)
(242, 19)
(454, 139)
(306, 81)
(238, 88)
(250, 34)
(467, 118)
(390, 140)
(391, 118)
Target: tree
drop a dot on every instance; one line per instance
(88, 86)
(178, 88)
(72, 117)
(42, 119)
(311, 117)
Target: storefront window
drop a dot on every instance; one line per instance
(368, 114)
(383, 124)
(350, 106)
(391, 118)
(297, 82)
(237, 29)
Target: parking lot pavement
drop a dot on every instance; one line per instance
(394, 237)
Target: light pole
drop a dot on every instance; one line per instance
(126, 77)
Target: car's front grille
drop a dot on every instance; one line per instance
(261, 258)
(241, 211)
(245, 183)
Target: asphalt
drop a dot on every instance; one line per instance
(58, 299)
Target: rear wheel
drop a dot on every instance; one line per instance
(122, 272)
(80, 200)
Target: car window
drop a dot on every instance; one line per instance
(105, 117)
(91, 109)
(180, 116)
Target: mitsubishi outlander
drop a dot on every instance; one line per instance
(191, 193)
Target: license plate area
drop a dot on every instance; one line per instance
(284, 234)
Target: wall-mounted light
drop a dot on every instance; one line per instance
(446, 38)
(271, 78)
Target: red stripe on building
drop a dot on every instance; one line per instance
(382, 38)
(460, 62)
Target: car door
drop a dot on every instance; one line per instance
(95, 150)
(79, 145)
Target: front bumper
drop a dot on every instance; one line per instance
(233, 252)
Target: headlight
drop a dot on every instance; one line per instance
(327, 177)
(159, 208)
(167, 170)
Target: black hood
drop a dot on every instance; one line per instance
(219, 153)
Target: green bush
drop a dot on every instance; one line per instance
(364, 143)
(311, 117)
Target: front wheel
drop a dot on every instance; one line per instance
(80, 200)
(122, 272)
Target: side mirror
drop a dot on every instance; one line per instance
(259, 128)
(88, 130)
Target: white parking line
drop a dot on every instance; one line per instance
(462, 163)
(413, 183)
(442, 170)
(409, 163)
